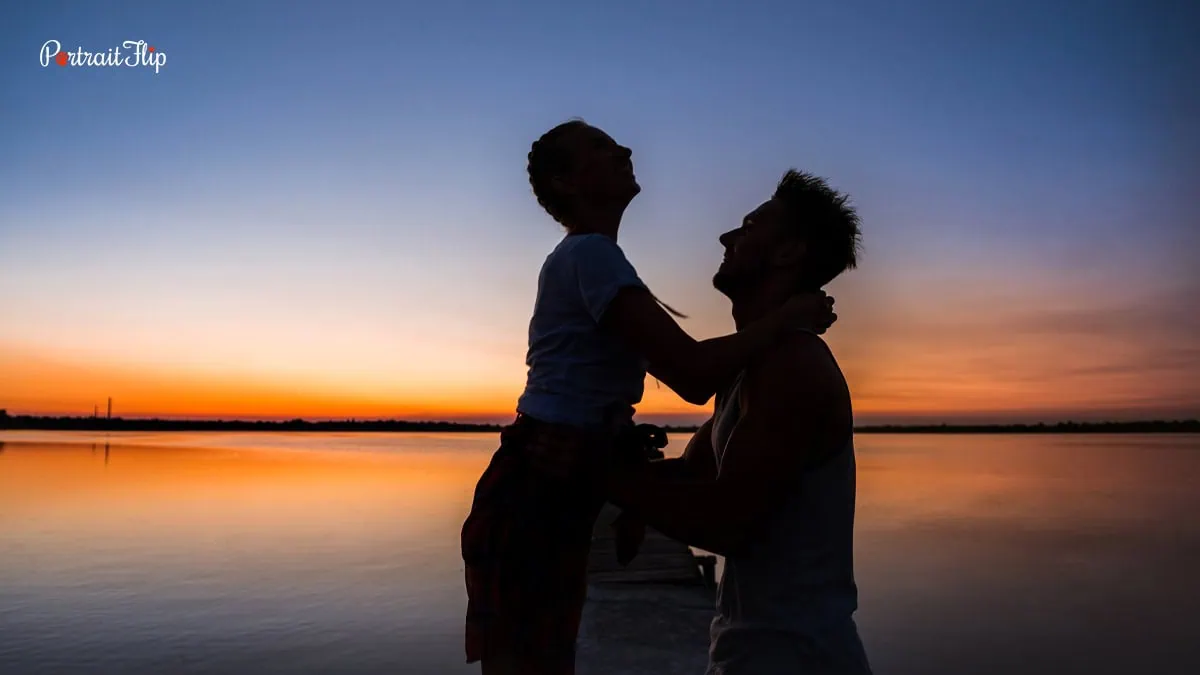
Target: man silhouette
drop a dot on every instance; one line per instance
(769, 480)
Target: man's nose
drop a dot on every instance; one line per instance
(727, 238)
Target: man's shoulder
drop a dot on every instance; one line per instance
(799, 353)
(798, 391)
(799, 370)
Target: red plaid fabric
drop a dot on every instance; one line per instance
(526, 543)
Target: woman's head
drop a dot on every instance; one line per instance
(576, 169)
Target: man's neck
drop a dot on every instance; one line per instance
(760, 301)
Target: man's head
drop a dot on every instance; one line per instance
(803, 237)
(575, 167)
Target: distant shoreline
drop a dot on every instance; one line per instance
(35, 423)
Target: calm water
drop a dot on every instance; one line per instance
(292, 553)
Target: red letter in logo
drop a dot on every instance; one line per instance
(62, 58)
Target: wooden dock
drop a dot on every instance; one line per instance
(651, 617)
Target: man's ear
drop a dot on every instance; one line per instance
(789, 252)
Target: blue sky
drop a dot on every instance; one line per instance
(311, 194)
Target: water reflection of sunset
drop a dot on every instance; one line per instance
(343, 548)
(214, 494)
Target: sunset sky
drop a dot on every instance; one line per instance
(321, 209)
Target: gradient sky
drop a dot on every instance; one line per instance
(321, 209)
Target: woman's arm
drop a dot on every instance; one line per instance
(697, 369)
(618, 300)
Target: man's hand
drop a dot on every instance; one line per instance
(628, 533)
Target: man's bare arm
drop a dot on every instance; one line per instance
(697, 461)
(782, 430)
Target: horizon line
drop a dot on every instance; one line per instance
(664, 417)
(99, 420)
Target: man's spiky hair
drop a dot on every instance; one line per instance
(826, 221)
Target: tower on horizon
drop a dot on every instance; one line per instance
(110, 407)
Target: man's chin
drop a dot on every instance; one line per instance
(723, 282)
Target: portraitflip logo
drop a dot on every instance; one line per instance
(137, 54)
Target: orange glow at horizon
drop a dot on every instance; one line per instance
(48, 386)
(946, 370)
